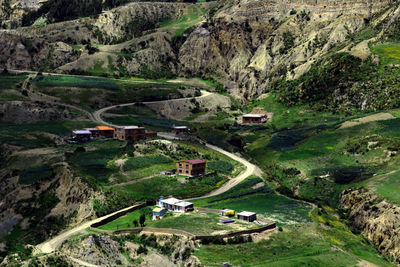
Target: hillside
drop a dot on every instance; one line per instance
(325, 73)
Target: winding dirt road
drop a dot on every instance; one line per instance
(51, 245)
(97, 114)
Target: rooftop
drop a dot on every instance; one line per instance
(131, 127)
(158, 209)
(183, 204)
(105, 128)
(246, 213)
(171, 200)
(177, 202)
(81, 132)
(196, 161)
(180, 127)
(254, 115)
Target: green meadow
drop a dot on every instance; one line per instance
(388, 53)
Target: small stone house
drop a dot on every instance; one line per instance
(247, 216)
(254, 118)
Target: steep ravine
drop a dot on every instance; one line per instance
(378, 220)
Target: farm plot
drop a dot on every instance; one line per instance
(200, 223)
(93, 92)
(253, 195)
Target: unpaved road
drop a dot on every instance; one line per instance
(51, 245)
(251, 169)
(97, 113)
(375, 117)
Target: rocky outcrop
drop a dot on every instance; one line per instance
(75, 197)
(130, 20)
(13, 53)
(248, 43)
(378, 220)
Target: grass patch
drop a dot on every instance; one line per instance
(11, 81)
(127, 220)
(262, 200)
(143, 162)
(197, 223)
(166, 186)
(193, 15)
(221, 166)
(388, 53)
(32, 175)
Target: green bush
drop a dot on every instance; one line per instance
(221, 166)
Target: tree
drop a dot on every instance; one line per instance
(142, 219)
(135, 223)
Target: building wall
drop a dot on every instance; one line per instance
(187, 168)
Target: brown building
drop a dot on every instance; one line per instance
(193, 167)
(254, 118)
(130, 133)
(180, 129)
(151, 135)
(105, 131)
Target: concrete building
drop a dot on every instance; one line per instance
(247, 216)
(130, 133)
(254, 118)
(193, 167)
(176, 205)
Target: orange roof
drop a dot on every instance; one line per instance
(105, 128)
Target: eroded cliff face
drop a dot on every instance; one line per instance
(378, 220)
(244, 44)
(248, 43)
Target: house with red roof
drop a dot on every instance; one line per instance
(193, 167)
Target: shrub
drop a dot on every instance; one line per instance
(221, 166)
(143, 162)
(142, 249)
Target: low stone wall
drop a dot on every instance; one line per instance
(146, 229)
(244, 232)
(119, 214)
(181, 232)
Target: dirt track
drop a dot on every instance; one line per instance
(52, 244)
(374, 117)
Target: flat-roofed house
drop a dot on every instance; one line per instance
(82, 134)
(193, 167)
(247, 216)
(177, 205)
(180, 129)
(130, 133)
(254, 118)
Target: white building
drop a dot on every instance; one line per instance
(174, 204)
